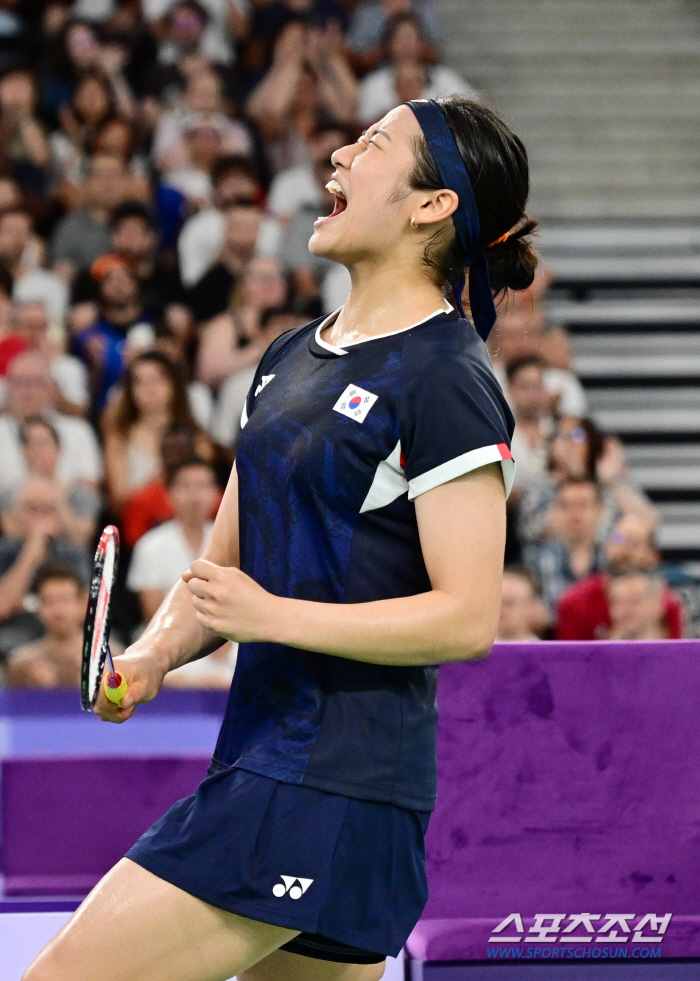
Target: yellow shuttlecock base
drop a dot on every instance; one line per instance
(115, 688)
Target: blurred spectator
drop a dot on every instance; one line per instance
(583, 612)
(212, 294)
(80, 503)
(183, 135)
(84, 131)
(188, 27)
(232, 341)
(31, 392)
(579, 449)
(636, 601)
(164, 553)
(53, 661)
(226, 426)
(22, 254)
(33, 535)
(150, 505)
(371, 19)
(574, 552)
(408, 74)
(521, 610)
(309, 80)
(103, 343)
(135, 237)
(30, 332)
(519, 333)
(82, 236)
(202, 237)
(23, 137)
(533, 423)
(153, 398)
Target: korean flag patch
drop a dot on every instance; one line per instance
(355, 403)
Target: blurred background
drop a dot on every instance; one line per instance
(161, 166)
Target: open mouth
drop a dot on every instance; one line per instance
(341, 202)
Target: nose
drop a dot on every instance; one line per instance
(344, 156)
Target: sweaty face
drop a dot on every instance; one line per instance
(372, 201)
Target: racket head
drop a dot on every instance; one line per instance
(97, 620)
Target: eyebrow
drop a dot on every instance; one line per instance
(384, 133)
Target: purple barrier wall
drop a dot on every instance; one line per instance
(569, 782)
(76, 793)
(66, 822)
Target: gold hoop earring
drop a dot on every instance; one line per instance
(412, 223)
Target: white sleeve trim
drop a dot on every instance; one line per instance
(461, 465)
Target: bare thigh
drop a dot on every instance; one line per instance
(136, 927)
(285, 966)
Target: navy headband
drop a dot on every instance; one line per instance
(454, 177)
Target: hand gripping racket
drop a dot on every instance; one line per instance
(97, 623)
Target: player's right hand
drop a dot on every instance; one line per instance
(144, 676)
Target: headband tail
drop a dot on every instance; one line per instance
(481, 302)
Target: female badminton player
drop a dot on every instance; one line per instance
(359, 545)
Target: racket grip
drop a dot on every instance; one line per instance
(115, 688)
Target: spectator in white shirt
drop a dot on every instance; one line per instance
(164, 553)
(31, 392)
(407, 74)
(202, 237)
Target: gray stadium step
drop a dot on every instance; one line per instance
(623, 314)
(666, 467)
(646, 410)
(636, 355)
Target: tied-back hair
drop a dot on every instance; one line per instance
(127, 411)
(498, 169)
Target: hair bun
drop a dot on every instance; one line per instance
(512, 263)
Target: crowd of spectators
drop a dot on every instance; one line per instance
(581, 558)
(161, 166)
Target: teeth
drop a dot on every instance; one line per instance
(334, 188)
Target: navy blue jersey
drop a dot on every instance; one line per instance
(336, 446)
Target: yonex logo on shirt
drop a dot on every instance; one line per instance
(291, 885)
(355, 403)
(265, 380)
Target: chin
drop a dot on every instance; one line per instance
(323, 245)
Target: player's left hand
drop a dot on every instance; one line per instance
(228, 602)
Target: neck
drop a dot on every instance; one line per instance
(386, 298)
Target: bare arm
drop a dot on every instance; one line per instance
(462, 531)
(174, 636)
(14, 585)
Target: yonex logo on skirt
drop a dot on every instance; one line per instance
(291, 885)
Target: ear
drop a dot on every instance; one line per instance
(436, 206)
